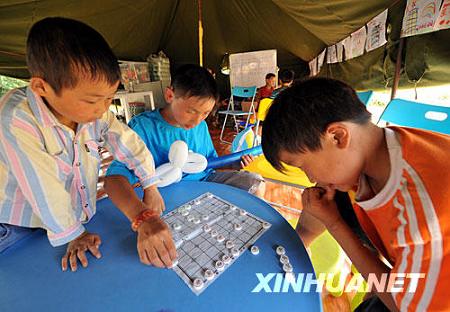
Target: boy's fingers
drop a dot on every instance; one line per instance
(330, 193)
(73, 261)
(95, 251)
(316, 193)
(171, 248)
(97, 240)
(308, 197)
(64, 262)
(143, 255)
(82, 256)
(163, 254)
(154, 258)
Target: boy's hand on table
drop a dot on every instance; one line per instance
(319, 202)
(76, 250)
(246, 160)
(153, 199)
(155, 244)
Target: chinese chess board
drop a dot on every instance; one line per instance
(210, 234)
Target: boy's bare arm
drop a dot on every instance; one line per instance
(320, 203)
(309, 228)
(363, 259)
(122, 194)
(155, 245)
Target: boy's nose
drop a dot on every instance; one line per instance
(197, 120)
(100, 112)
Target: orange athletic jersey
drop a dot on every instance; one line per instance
(409, 219)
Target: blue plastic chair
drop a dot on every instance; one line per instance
(365, 96)
(417, 115)
(242, 93)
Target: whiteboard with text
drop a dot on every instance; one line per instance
(250, 68)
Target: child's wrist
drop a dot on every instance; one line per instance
(150, 189)
(334, 225)
(144, 215)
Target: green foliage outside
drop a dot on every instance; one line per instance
(8, 83)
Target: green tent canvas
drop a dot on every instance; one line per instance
(299, 30)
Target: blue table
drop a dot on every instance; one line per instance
(31, 278)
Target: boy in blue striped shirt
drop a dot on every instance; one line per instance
(50, 133)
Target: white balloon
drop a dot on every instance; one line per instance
(178, 153)
(195, 163)
(181, 160)
(167, 174)
(163, 169)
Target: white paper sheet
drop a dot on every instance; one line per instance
(376, 31)
(443, 20)
(340, 51)
(331, 54)
(420, 17)
(359, 41)
(313, 67)
(347, 43)
(320, 60)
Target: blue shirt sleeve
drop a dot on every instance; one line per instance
(208, 143)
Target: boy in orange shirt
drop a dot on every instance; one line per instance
(402, 177)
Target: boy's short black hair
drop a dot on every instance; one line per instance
(193, 80)
(287, 75)
(300, 115)
(270, 75)
(58, 48)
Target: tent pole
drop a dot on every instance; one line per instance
(398, 66)
(200, 33)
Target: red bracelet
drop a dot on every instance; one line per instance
(141, 217)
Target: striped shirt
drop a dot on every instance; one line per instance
(48, 173)
(409, 219)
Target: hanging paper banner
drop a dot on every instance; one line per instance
(443, 20)
(347, 43)
(376, 31)
(359, 41)
(320, 60)
(420, 17)
(331, 55)
(313, 67)
(340, 51)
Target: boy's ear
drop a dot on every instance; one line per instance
(169, 95)
(339, 134)
(40, 86)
